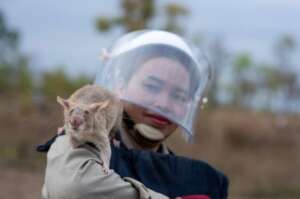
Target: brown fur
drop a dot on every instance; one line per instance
(90, 114)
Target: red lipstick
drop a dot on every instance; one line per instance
(157, 119)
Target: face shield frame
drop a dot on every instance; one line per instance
(111, 76)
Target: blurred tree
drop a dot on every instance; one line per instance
(136, 15)
(15, 76)
(218, 57)
(283, 50)
(173, 14)
(8, 42)
(285, 71)
(9, 55)
(269, 82)
(80, 80)
(5, 72)
(24, 82)
(244, 86)
(241, 63)
(56, 83)
(271, 77)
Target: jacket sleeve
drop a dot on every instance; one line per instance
(76, 173)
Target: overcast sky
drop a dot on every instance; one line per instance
(56, 33)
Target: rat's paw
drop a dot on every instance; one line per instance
(75, 142)
(82, 137)
(79, 137)
(60, 130)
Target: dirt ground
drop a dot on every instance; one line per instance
(20, 184)
(259, 152)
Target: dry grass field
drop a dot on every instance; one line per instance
(259, 152)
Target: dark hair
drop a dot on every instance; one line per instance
(150, 51)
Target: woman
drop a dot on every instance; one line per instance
(160, 82)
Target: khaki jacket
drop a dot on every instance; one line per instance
(78, 174)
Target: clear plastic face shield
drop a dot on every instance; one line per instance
(157, 71)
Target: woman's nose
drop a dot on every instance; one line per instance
(162, 103)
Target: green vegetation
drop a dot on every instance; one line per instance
(17, 79)
(252, 84)
(139, 15)
(58, 83)
(254, 149)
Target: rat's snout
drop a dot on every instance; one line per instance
(76, 122)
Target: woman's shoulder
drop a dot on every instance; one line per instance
(172, 175)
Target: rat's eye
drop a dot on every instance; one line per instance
(71, 111)
(86, 112)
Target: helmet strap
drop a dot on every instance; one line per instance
(132, 129)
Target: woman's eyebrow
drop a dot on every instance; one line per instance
(155, 79)
(159, 81)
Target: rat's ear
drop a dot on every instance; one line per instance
(65, 103)
(104, 104)
(94, 107)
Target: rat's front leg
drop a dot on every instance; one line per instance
(105, 151)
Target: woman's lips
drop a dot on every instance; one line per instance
(157, 119)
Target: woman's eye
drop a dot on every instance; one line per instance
(179, 97)
(152, 87)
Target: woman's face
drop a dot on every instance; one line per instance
(163, 84)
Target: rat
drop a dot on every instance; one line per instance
(90, 114)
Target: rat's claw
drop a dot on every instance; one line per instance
(60, 130)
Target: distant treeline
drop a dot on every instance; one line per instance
(238, 79)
